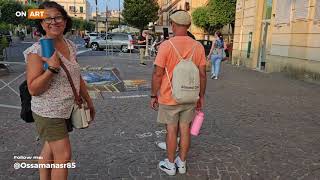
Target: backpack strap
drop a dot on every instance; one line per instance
(169, 79)
(176, 50)
(194, 48)
(179, 56)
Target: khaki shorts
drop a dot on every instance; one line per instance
(50, 129)
(183, 113)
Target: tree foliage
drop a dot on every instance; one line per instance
(3, 43)
(138, 13)
(223, 11)
(4, 26)
(77, 24)
(214, 16)
(89, 26)
(26, 21)
(8, 12)
(80, 24)
(199, 17)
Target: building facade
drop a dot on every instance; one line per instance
(278, 36)
(169, 6)
(76, 8)
(30, 1)
(112, 16)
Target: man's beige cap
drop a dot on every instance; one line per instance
(181, 17)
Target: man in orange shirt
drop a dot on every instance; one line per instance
(176, 116)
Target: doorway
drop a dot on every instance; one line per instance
(264, 45)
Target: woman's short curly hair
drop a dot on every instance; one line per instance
(52, 4)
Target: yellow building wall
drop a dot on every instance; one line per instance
(245, 22)
(180, 4)
(77, 3)
(294, 46)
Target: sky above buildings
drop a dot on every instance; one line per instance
(112, 5)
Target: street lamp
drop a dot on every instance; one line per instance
(96, 15)
(119, 14)
(106, 28)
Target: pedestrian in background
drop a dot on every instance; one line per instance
(142, 42)
(216, 54)
(52, 97)
(37, 35)
(177, 117)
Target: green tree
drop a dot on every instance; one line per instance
(222, 12)
(8, 12)
(79, 24)
(217, 14)
(89, 26)
(200, 18)
(138, 13)
(4, 26)
(26, 21)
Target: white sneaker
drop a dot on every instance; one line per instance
(181, 165)
(163, 146)
(168, 167)
(216, 77)
(213, 76)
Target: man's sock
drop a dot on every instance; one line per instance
(170, 164)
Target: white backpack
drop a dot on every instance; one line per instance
(185, 85)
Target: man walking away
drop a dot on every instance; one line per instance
(142, 47)
(178, 87)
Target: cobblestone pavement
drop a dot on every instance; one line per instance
(258, 127)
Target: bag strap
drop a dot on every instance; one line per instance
(77, 98)
(176, 50)
(194, 48)
(169, 79)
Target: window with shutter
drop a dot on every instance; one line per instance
(317, 11)
(283, 12)
(301, 9)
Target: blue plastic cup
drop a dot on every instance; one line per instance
(47, 48)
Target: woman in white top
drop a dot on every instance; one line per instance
(52, 96)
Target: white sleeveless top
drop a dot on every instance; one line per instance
(58, 100)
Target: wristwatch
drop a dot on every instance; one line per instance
(53, 69)
(152, 97)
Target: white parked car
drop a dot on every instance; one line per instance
(120, 41)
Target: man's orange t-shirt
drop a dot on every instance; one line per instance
(168, 58)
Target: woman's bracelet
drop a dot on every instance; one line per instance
(53, 69)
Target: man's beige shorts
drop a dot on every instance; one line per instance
(183, 113)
